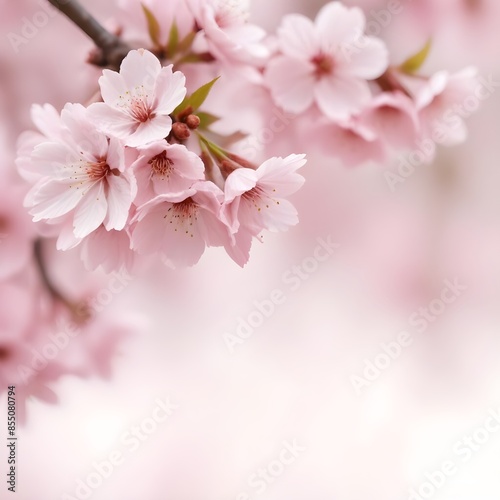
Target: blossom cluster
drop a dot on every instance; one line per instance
(125, 175)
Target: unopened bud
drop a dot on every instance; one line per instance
(181, 131)
(193, 122)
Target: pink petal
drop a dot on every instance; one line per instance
(51, 199)
(298, 37)
(339, 25)
(278, 176)
(292, 83)
(113, 87)
(371, 61)
(240, 181)
(91, 212)
(340, 98)
(111, 121)
(140, 68)
(170, 90)
(119, 201)
(153, 130)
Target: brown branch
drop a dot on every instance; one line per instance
(112, 49)
(79, 311)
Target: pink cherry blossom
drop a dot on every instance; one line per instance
(139, 99)
(256, 199)
(352, 142)
(163, 168)
(85, 177)
(48, 122)
(109, 250)
(326, 62)
(393, 117)
(180, 226)
(442, 105)
(226, 32)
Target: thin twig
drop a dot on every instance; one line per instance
(112, 48)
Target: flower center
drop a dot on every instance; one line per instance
(324, 65)
(161, 165)
(141, 111)
(258, 198)
(183, 216)
(98, 170)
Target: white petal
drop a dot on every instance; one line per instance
(51, 199)
(119, 201)
(91, 212)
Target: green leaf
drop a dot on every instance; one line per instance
(153, 25)
(173, 41)
(206, 119)
(197, 98)
(185, 44)
(414, 63)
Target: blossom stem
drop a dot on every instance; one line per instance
(78, 312)
(112, 48)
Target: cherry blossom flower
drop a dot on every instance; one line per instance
(85, 177)
(227, 34)
(326, 62)
(163, 168)
(394, 118)
(256, 199)
(109, 250)
(180, 226)
(441, 103)
(139, 99)
(352, 142)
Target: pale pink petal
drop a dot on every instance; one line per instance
(291, 83)
(107, 249)
(278, 176)
(83, 131)
(240, 181)
(91, 211)
(298, 37)
(338, 24)
(170, 90)
(51, 199)
(112, 121)
(140, 68)
(148, 233)
(120, 195)
(113, 88)
(279, 216)
(154, 129)
(340, 98)
(371, 61)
